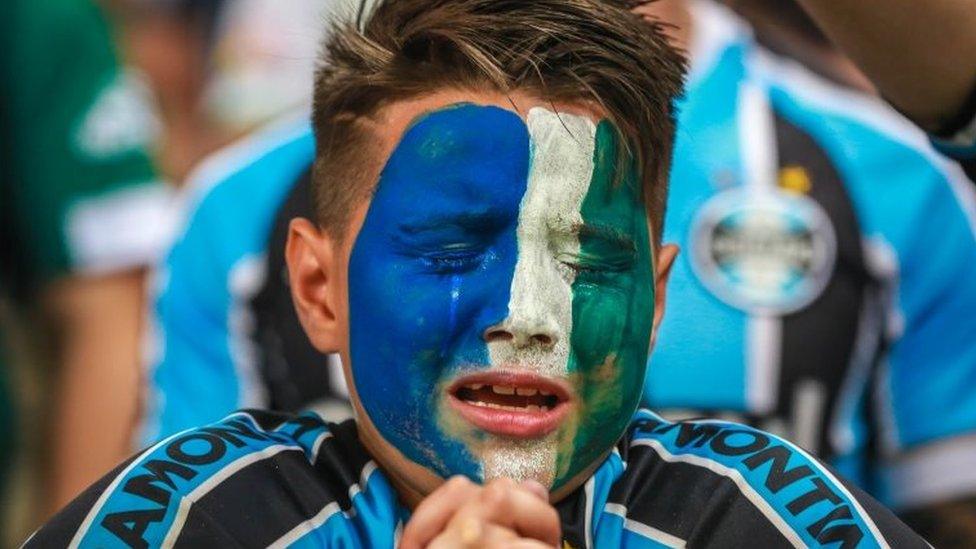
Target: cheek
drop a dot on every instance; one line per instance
(603, 347)
(418, 326)
(397, 319)
(612, 323)
(599, 317)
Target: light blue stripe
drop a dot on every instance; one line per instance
(707, 154)
(371, 523)
(195, 380)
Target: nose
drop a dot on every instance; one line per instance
(523, 331)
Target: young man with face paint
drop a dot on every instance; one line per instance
(490, 182)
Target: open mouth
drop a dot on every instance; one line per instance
(511, 404)
(507, 397)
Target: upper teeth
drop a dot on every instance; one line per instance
(509, 389)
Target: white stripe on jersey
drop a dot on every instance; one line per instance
(830, 476)
(206, 486)
(735, 476)
(307, 527)
(642, 529)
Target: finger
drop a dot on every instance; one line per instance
(436, 510)
(476, 535)
(505, 503)
(536, 488)
(525, 543)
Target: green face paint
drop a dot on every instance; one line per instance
(613, 308)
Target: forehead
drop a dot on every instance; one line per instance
(461, 155)
(479, 158)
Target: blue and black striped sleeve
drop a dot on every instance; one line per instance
(252, 479)
(719, 484)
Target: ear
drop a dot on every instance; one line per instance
(316, 284)
(665, 260)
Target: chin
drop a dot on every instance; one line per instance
(520, 459)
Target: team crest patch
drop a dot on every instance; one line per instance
(763, 251)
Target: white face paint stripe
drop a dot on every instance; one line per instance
(541, 303)
(541, 293)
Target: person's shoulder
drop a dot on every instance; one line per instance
(228, 206)
(723, 483)
(254, 476)
(853, 126)
(252, 175)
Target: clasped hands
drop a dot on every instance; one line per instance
(501, 514)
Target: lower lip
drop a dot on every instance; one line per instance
(510, 423)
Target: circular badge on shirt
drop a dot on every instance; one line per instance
(764, 251)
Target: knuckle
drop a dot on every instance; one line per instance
(457, 482)
(496, 493)
(552, 516)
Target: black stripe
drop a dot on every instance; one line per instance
(693, 503)
(341, 460)
(962, 118)
(60, 529)
(969, 166)
(258, 504)
(292, 369)
(818, 341)
(572, 518)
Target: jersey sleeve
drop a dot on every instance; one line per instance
(923, 395)
(183, 490)
(84, 198)
(719, 484)
(917, 216)
(203, 358)
(252, 479)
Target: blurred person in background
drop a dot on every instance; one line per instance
(829, 266)
(224, 334)
(82, 212)
(219, 68)
(922, 57)
(170, 41)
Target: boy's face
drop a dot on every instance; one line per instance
(501, 294)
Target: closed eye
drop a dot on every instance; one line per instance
(452, 259)
(598, 263)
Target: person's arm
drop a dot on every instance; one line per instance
(98, 320)
(89, 215)
(925, 409)
(920, 55)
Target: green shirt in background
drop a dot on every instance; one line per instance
(78, 194)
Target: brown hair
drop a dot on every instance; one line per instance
(586, 51)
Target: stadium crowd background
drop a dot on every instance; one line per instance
(85, 261)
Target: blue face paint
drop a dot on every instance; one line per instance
(431, 271)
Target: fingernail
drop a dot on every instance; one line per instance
(536, 488)
(470, 532)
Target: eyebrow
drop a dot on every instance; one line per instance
(464, 220)
(605, 232)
